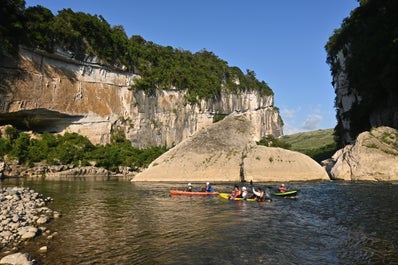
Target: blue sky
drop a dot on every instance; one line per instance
(282, 41)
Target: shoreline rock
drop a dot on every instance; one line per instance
(22, 216)
(61, 172)
(18, 259)
(373, 157)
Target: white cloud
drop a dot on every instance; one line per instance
(290, 121)
(288, 129)
(312, 122)
(288, 113)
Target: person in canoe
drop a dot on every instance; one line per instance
(282, 188)
(261, 195)
(258, 194)
(207, 188)
(235, 193)
(244, 194)
(189, 187)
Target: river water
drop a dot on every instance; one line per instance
(119, 222)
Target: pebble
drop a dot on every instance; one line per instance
(43, 249)
(22, 215)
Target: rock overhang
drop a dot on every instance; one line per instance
(39, 120)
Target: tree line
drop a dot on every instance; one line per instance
(90, 37)
(74, 149)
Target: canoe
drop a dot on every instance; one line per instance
(286, 193)
(226, 196)
(183, 192)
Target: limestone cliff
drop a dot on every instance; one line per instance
(54, 93)
(361, 55)
(349, 97)
(226, 151)
(346, 97)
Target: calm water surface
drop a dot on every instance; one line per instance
(119, 222)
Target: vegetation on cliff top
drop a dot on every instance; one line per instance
(90, 37)
(369, 41)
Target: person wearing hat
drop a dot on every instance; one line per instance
(244, 194)
(282, 188)
(189, 188)
(208, 187)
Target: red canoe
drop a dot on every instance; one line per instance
(182, 192)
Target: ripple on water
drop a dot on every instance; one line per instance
(140, 223)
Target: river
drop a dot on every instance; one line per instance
(119, 222)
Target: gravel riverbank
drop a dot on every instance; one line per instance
(23, 216)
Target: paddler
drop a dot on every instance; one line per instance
(189, 188)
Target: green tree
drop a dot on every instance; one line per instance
(5, 147)
(11, 26)
(20, 148)
(38, 21)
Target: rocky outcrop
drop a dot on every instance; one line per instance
(373, 157)
(227, 151)
(50, 92)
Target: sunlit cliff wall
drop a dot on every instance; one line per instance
(54, 93)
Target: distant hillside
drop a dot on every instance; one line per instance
(317, 144)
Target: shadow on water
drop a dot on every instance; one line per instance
(112, 222)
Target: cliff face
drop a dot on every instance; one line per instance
(364, 65)
(50, 92)
(347, 97)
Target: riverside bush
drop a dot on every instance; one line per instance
(75, 149)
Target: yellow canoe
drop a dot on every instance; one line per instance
(226, 196)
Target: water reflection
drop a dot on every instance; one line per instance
(111, 222)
